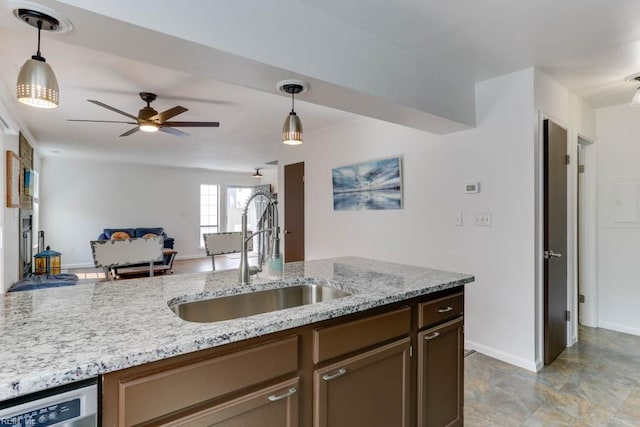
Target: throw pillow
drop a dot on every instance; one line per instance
(119, 235)
(149, 236)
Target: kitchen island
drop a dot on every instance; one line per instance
(56, 336)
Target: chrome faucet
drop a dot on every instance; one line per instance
(273, 232)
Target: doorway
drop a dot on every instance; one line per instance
(556, 315)
(294, 212)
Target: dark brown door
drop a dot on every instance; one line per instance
(294, 212)
(555, 240)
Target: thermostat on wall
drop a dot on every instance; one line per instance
(472, 187)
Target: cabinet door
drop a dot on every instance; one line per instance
(272, 406)
(440, 375)
(367, 390)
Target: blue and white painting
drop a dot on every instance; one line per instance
(371, 185)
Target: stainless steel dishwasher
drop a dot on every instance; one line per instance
(72, 405)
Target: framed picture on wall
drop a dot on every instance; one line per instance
(375, 185)
(14, 180)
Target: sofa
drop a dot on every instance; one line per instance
(126, 233)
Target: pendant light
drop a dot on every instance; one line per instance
(292, 128)
(257, 174)
(37, 84)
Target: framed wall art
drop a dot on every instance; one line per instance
(374, 185)
(14, 180)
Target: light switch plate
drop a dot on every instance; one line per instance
(458, 219)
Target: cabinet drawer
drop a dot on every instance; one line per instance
(341, 339)
(272, 406)
(151, 396)
(441, 309)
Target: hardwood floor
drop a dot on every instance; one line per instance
(223, 262)
(596, 382)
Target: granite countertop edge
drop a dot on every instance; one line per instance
(373, 283)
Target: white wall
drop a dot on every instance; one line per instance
(10, 229)
(499, 309)
(79, 198)
(503, 305)
(618, 160)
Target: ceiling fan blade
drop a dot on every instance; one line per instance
(101, 121)
(108, 107)
(129, 132)
(166, 115)
(193, 124)
(172, 131)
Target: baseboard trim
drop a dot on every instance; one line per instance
(529, 365)
(619, 328)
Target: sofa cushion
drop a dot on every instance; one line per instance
(140, 232)
(109, 231)
(120, 235)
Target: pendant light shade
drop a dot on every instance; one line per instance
(292, 128)
(37, 84)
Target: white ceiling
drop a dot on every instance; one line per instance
(589, 46)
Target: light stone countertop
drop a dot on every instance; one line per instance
(55, 336)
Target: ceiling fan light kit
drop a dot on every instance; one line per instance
(292, 128)
(37, 85)
(149, 120)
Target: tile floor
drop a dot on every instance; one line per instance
(594, 383)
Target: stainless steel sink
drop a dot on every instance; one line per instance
(248, 304)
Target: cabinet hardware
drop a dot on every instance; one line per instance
(340, 373)
(275, 397)
(445, 310)
(432, 336)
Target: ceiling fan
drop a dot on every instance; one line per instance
(149, 120)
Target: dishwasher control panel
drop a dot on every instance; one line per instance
(44, 416)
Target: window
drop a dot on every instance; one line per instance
(236, 199)
(208, 210)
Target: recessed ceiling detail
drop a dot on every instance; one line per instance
(63, 24)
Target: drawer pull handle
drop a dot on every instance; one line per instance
(432, 336)
(445, 310)
(275, 398)
(340, 373)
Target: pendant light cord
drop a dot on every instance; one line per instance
(38, 56)
(292, 99)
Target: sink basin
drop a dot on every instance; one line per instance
(248, 304)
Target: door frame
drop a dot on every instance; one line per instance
(587, 262)
(572, 283)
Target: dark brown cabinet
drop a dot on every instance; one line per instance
(273, 406)
(370, 389)
(441, 373)
(399, 365)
